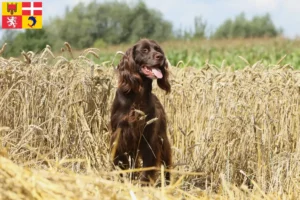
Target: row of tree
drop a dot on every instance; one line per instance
(98, 24)
(240, 27)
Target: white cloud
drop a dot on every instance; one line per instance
(266, 4)
(292, 6)
(251, 5)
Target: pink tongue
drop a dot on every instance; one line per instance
(157, 73)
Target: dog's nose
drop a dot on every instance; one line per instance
(158, 56)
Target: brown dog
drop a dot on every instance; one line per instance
(132, 137)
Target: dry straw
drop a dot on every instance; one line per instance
(235, 134)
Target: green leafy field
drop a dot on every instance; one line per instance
(196, 53)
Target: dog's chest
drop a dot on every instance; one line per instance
(142, 112)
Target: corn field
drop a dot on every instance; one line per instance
(196, 53)
(235, 134)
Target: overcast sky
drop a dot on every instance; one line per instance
(284, 13)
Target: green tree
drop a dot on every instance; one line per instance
(144, 22)
(111, 23)
(263, 26)
(199, 32)
(240, 27)
(200, 27)
(75, 27)
(224, 30)
(29, 40)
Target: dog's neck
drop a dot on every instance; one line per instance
(145, 92)
(147, 86)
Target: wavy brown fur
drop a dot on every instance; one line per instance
(132, 138)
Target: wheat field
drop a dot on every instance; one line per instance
(235, 134)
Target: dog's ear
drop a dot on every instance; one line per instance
(129, 78)
(163, 83)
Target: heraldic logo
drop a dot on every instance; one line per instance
(22, 15)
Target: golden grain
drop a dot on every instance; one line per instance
(235, 134)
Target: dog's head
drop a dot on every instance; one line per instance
(145, 59)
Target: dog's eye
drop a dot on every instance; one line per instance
(157, 49)
(145, 50)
